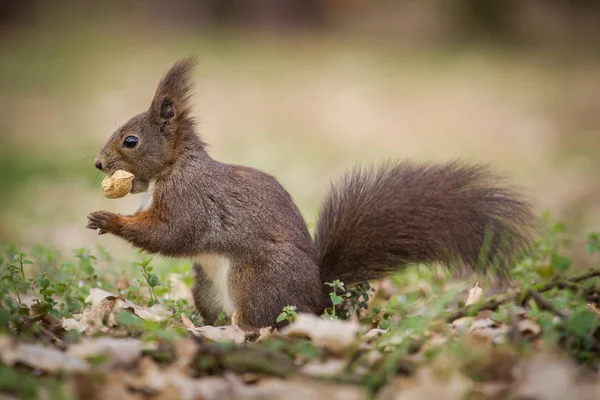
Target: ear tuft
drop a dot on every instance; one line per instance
(171, 100)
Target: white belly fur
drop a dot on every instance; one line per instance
(147, 197)
(216, 267)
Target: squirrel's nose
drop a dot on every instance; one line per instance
(98, 164)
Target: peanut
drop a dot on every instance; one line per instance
(117, 185)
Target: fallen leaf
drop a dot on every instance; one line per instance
(71, 324)
(374, 334)
(487, 328)
(187, 322)
(529, 328)
(482, 324)
(98, 296)
(156, 313)
(155, 381)
(429, 383)
(114, 387)
(43, 358)
(186, 350)
(102, 304)
(474, 295)
(265, 333)
(227, 333)
(462, 325)
(276, 389)
(124, 351)
(547, 377)
(328, 368)
(335, 335)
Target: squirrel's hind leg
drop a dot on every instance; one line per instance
(261, 288)
(204, 296)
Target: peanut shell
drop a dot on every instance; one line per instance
(117, 185)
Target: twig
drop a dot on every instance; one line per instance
(494, 302)
(544, 303)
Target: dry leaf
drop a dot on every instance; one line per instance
(486, 328)
(227, 333)
(156, 313)
(547, 377)
(481, 324)
(102, 304)
(265, 333)
(529, 328)
(186, 350)
(170, 382)
(462, 325)
(276, 389)
(335, 335)
(474, 295)
(114, 387)
(429, 383)
(43, 358)
(374, 334)
(71, 324)
(328, 368)
(98, 296)
(187, 322)
(123, 351)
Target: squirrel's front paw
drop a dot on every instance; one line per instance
(105, 221)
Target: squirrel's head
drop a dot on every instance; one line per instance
(151, 141)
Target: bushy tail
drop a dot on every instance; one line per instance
(377, 220)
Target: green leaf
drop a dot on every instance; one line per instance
(385, 324)
(48, 292)
(128, 319)
(561, 263)
(582, 322)
(4, 318)
(335, 299)
(153, 280)
(282, 317)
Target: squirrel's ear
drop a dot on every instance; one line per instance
(171, 100)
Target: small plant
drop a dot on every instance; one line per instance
(358, 298)
(288, 314)
(151, 279)
(222, 319)
(336, 299)
(12, 275)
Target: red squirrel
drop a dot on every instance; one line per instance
(252, 251)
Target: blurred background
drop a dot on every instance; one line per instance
(302, 89)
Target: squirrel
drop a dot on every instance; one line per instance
(252, 251)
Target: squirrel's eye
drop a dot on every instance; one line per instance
(130, 142)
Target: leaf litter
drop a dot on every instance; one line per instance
(539, 342)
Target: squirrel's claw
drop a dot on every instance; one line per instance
(99, 220)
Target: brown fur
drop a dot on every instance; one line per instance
(374, 221)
